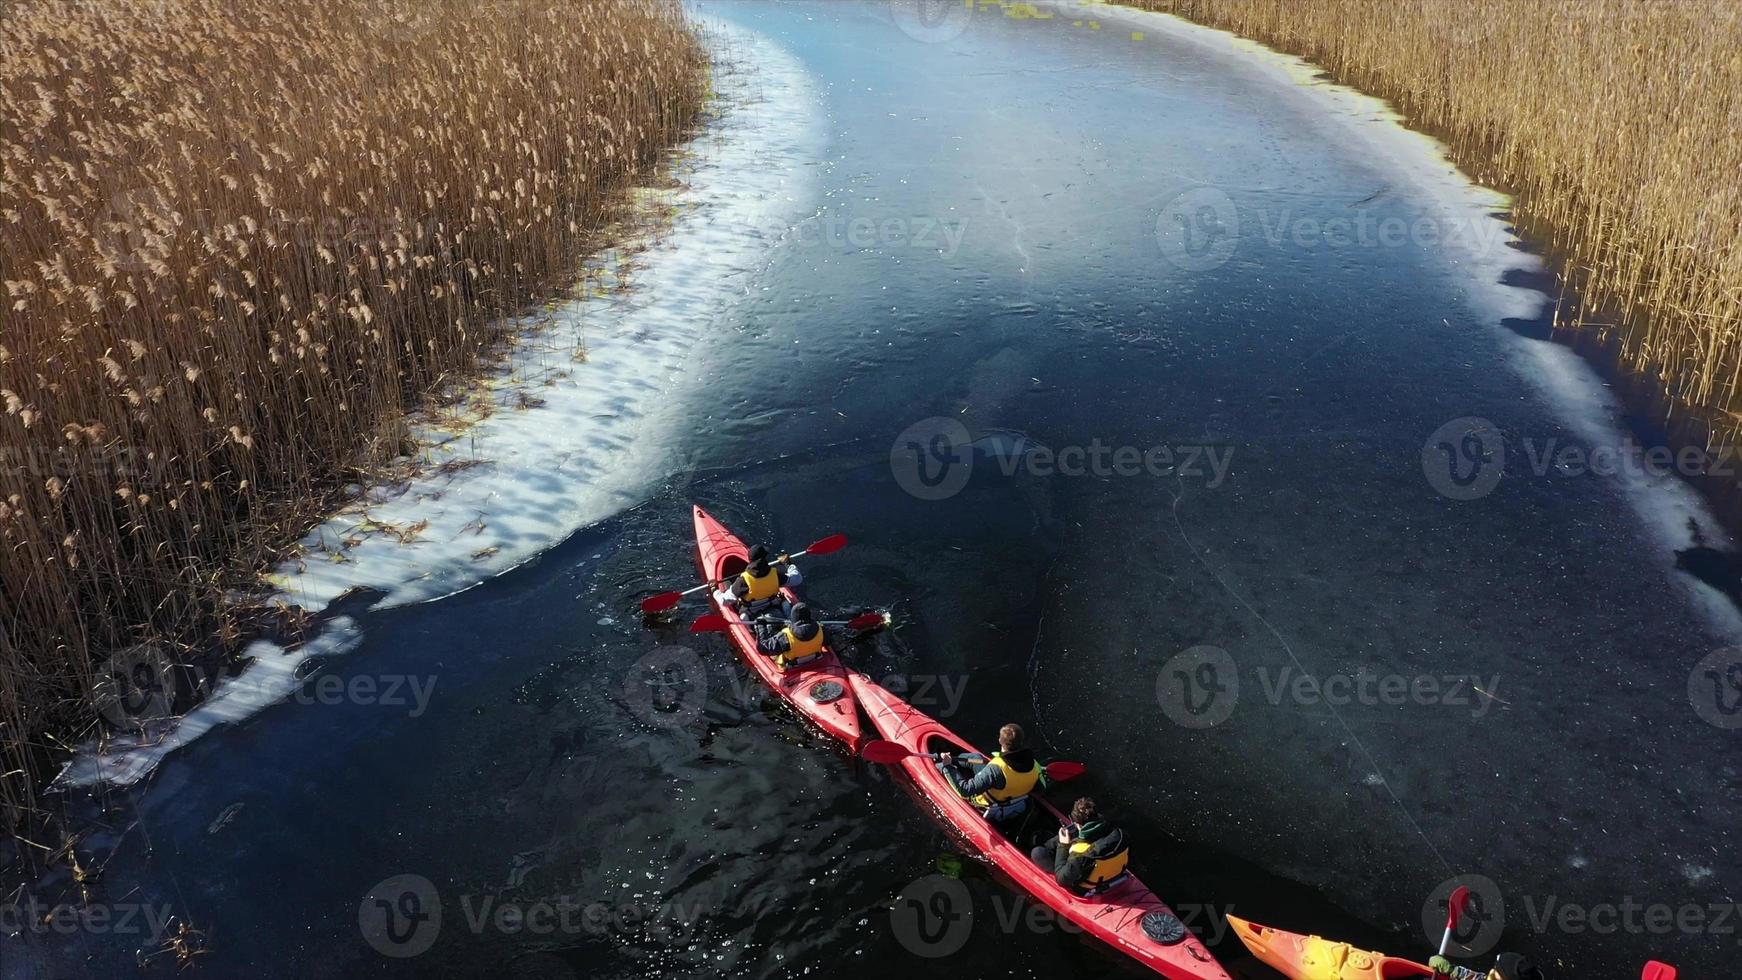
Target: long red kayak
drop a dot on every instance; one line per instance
(819, 690)
(1301, 957)
(1128, 915)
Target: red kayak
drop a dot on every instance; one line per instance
(1126, 915)
(819, 690)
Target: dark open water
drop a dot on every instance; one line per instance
(690, 828)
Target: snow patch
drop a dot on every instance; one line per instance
(579, 413)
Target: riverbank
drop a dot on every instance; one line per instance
(1614, 126)
(229, 279)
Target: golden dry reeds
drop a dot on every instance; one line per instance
(235, 239)
(1618, 123)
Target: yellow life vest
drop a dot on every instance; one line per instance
(799, 651)
(1106, 869)
(1016, 784)
(765, 587)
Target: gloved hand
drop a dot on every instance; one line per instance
(723, 597)
(1440, 965)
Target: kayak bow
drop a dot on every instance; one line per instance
(1127, 915)
(818, 690)
(1301, 957)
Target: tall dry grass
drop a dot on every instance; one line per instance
(1617, 122)
(235, 239)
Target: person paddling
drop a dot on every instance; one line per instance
(792, 643)
(1510, 966)
(999, 786)
(757, 589)
(1088, 852)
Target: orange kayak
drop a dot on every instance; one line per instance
(1301, 957)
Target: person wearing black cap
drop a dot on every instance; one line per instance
(793, 643)
(757, 589)
(1510, 966)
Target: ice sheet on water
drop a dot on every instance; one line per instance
(1477, 238)
(521, 479)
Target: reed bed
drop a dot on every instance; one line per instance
(238, 239)
(1618, 124)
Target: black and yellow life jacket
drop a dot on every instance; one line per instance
(760, 587)
(1017, 785)
(1107, 867)
(800, 651)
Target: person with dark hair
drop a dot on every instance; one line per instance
(756, 590)
(1088, 852)
(999, 786)
(794, 642)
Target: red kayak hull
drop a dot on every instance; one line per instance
(819, 691)
(1115, 916)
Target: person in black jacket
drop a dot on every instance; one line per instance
(792, 643)
(1088, 853)
(756, 590)
(999, 786)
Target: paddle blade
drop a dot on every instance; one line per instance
(711, 623)
(828, 545)
(883, 753)
(1058, 772)
(661, 602)
(1457, 905)
(868, 621)
(1658, 971)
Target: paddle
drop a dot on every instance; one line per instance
(665, 600)
(716, 623)
(888, 753)
(1658, 971)
(1455, 907)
